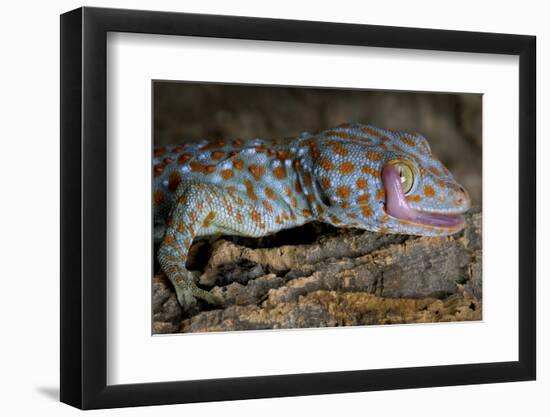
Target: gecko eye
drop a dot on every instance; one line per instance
(407, 175)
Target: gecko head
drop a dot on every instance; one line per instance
(394, 185)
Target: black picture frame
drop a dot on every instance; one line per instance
(84, 207)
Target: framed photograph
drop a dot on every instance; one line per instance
(259, 208)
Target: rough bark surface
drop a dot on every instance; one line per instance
(318, 276)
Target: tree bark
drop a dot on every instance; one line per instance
(318, 276)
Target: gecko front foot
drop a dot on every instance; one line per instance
(187, 293)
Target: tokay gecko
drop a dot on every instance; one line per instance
(352, 175)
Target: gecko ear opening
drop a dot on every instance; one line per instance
(322, 195)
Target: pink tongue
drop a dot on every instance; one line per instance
(397, 206)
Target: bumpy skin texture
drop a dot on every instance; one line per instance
(254, 188)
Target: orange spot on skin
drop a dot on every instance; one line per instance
(397, 148)
(174, 180)
(407, 141)
(296, 164)
(285, 216)
(211, 216)
(383, 230)
(320, 210)
(326, 164)
(294, 202)
(183, 158)
(369, 131)
(159, 198)
(337, 147)
(335, 219)
(346, 168)
(325, 182)
(374, 156)
(226, 174)
(293, 216)
(352, 215)
(237, 142)
(429, 191)
(238, 217)
(366, 211)
(414, 198)
(279, 172)
(178, 149)
(370, 171)
(169, 240)
(158, 170)
(267, 206)
(181, 227)
(238, 164)
(278, 220)
(372, 132)
(217, 155)
(315, 154)
(298, 187)
(213, 145)
(228, 206)
(307, 179)
(270, 193)
(434, 171)
(306, 213)
(361, 183)
(167, 161)
(441, 183)
(158, 152)
(205, 169)
(381, 194)
(311, 198)
(312, 148)
(255, 216)
(284, 154)
(261, 148)
(187, 244)
(343, 191)
(257, 171)
(250, 191)
(363, 199)
(344, 204)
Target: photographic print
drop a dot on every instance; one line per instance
(295, 207)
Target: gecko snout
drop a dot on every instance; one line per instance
(463, 198)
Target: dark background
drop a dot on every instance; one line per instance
(451, 122)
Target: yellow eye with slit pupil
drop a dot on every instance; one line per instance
(407, 176)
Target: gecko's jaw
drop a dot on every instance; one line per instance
(397, 206)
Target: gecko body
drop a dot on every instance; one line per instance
(352, 175)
